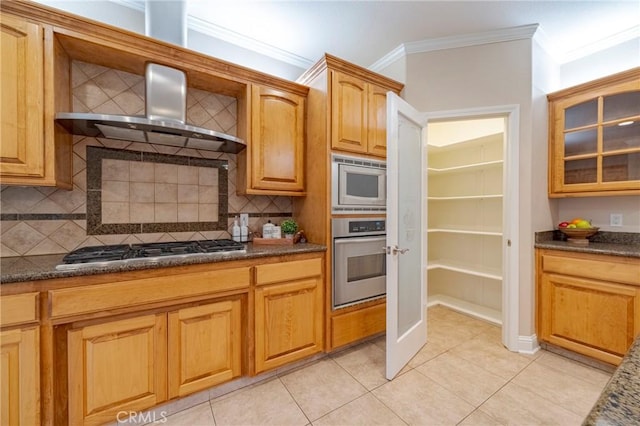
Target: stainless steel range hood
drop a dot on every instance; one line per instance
(164, 122)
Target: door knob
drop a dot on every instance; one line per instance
(396, 250)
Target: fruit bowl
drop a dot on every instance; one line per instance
(579, 235)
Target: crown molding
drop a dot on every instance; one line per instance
(240, 40)
(216, 31)
(456, 41)
(473, 39)
(606, 43)
(388, 59)
(131, 4)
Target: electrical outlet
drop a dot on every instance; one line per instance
(615, 219)
(244, 219)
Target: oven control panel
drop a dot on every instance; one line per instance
(356, 226)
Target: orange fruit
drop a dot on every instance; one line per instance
(576, 220)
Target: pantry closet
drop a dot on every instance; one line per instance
(466, 187)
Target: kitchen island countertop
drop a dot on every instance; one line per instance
(31, 268)
(619, 402)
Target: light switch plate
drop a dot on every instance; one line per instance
(615, 219)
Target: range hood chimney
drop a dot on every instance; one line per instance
(164, 122)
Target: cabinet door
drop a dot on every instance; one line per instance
(20, 377)
(116, 366)
(204, 346)
(22, 113)
(349, 113)
(277, 141)
(594, 136)
(377, 121)
(591, 317)
(288, 321)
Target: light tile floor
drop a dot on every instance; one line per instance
(463, 376)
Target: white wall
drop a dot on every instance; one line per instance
(545, 76)
(228, 52)
(102, 11)
(133, 20)
(481, 76)
(610, 61)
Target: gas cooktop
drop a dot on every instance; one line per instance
(96, 256)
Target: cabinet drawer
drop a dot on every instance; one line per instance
(18, 309)
(287, 271)
(627, 272)
(100, 297)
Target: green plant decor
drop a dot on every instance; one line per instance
(289, 227)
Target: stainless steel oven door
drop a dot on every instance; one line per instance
(359, 271)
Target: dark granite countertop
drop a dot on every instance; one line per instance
(611, 243)
(619, 402)
(30, 268)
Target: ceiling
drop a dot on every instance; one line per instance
(365, 31)
(297, 33)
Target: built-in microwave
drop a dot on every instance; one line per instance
(358, 185)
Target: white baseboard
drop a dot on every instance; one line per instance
(528, 344)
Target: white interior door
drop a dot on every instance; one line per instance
(406, 233)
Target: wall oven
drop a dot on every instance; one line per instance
(359, 185)
(359, 260)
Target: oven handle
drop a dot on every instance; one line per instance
(338, 241)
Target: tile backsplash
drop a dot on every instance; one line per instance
(137, 192)
(144, 192)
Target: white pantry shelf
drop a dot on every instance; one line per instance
(465, 307)
(474, 270)
(465, 203)
(465, 232)
(465, 168)
(466, 197)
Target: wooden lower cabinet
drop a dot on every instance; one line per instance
(20, 377)
(288, 312)
(97, 349)
(19, 360)
(133, 364)
(205, 344)
(589, 304)
(116, 366)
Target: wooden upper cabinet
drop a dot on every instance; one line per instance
(32, 151)
(273, 163)
(22, 82)
(358, 115)
(348, 113)
(594, 138)
(377, 125)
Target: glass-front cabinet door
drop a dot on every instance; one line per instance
(594, 137)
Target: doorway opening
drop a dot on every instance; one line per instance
(472, 252)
